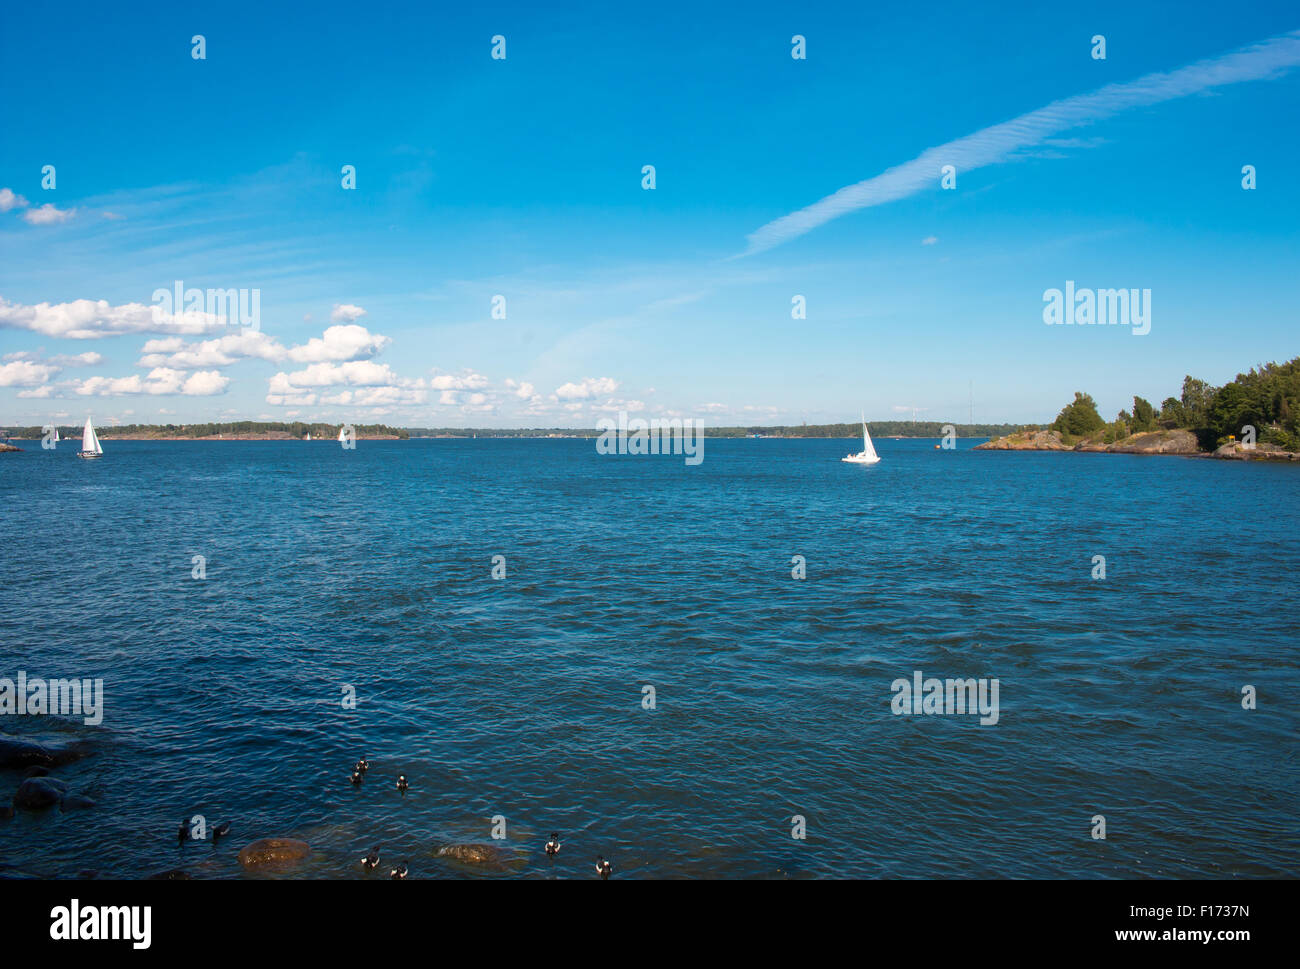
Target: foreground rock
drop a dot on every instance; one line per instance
(1026, 441)
(8, 447)
(36, 793)
(488, 856)
(273, 853)
(1148, 442)
(1236, 451)
(19, 754)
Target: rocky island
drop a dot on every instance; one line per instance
(1254, 418)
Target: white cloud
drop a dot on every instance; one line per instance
(465, 380)
(340, 343)
(346, 313)
(47, 214)
(929, 240)
(159, 382)
(88, 359)
(38, 392)
(522, 389)
(369, 384)
(220, 352)
(87, 319)
(587, 388)
(1001, 141)
(25, 373)
(355, 373)
(8, 200)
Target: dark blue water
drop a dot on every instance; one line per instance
(522, 697)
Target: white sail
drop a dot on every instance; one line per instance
(867, 447)
(342, 435)
(89, 442)
(56, 436)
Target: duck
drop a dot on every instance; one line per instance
(183, 832)
(401, 783)
(603, 868)
(398, 872)
(371, 861)
(356, 778)
(220, 831)
(553, 846)
(363, 765)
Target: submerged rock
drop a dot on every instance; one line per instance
(273, 852)
(19, 754)
(36, 772)
(171, 875)
(77, 802)
(486, 855)
(36, 793)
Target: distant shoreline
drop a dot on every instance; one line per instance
(586, 436)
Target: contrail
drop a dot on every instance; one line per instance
(1261, 61)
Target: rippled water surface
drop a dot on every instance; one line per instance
(522, 697)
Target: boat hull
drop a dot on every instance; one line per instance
(862, 459)
(88, 455)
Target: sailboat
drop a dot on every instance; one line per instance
(90, 447)
(868, 454)
(343, 435)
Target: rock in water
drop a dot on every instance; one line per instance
(21, 754)
(474, 854)
(273, 852)
(171, 875)
(39, 792)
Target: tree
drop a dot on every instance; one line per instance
(1172, 414)
(1197, 398)
(1080, 417)
(1144, 415)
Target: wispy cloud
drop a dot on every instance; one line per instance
(989, 146)
(48, 214)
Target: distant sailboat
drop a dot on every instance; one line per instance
(57, 439)
(343, 436)
(868, 454)
(90, 447)
(309, 435)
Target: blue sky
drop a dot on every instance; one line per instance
(522, 178)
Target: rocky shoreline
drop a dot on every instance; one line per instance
(1180, 442)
